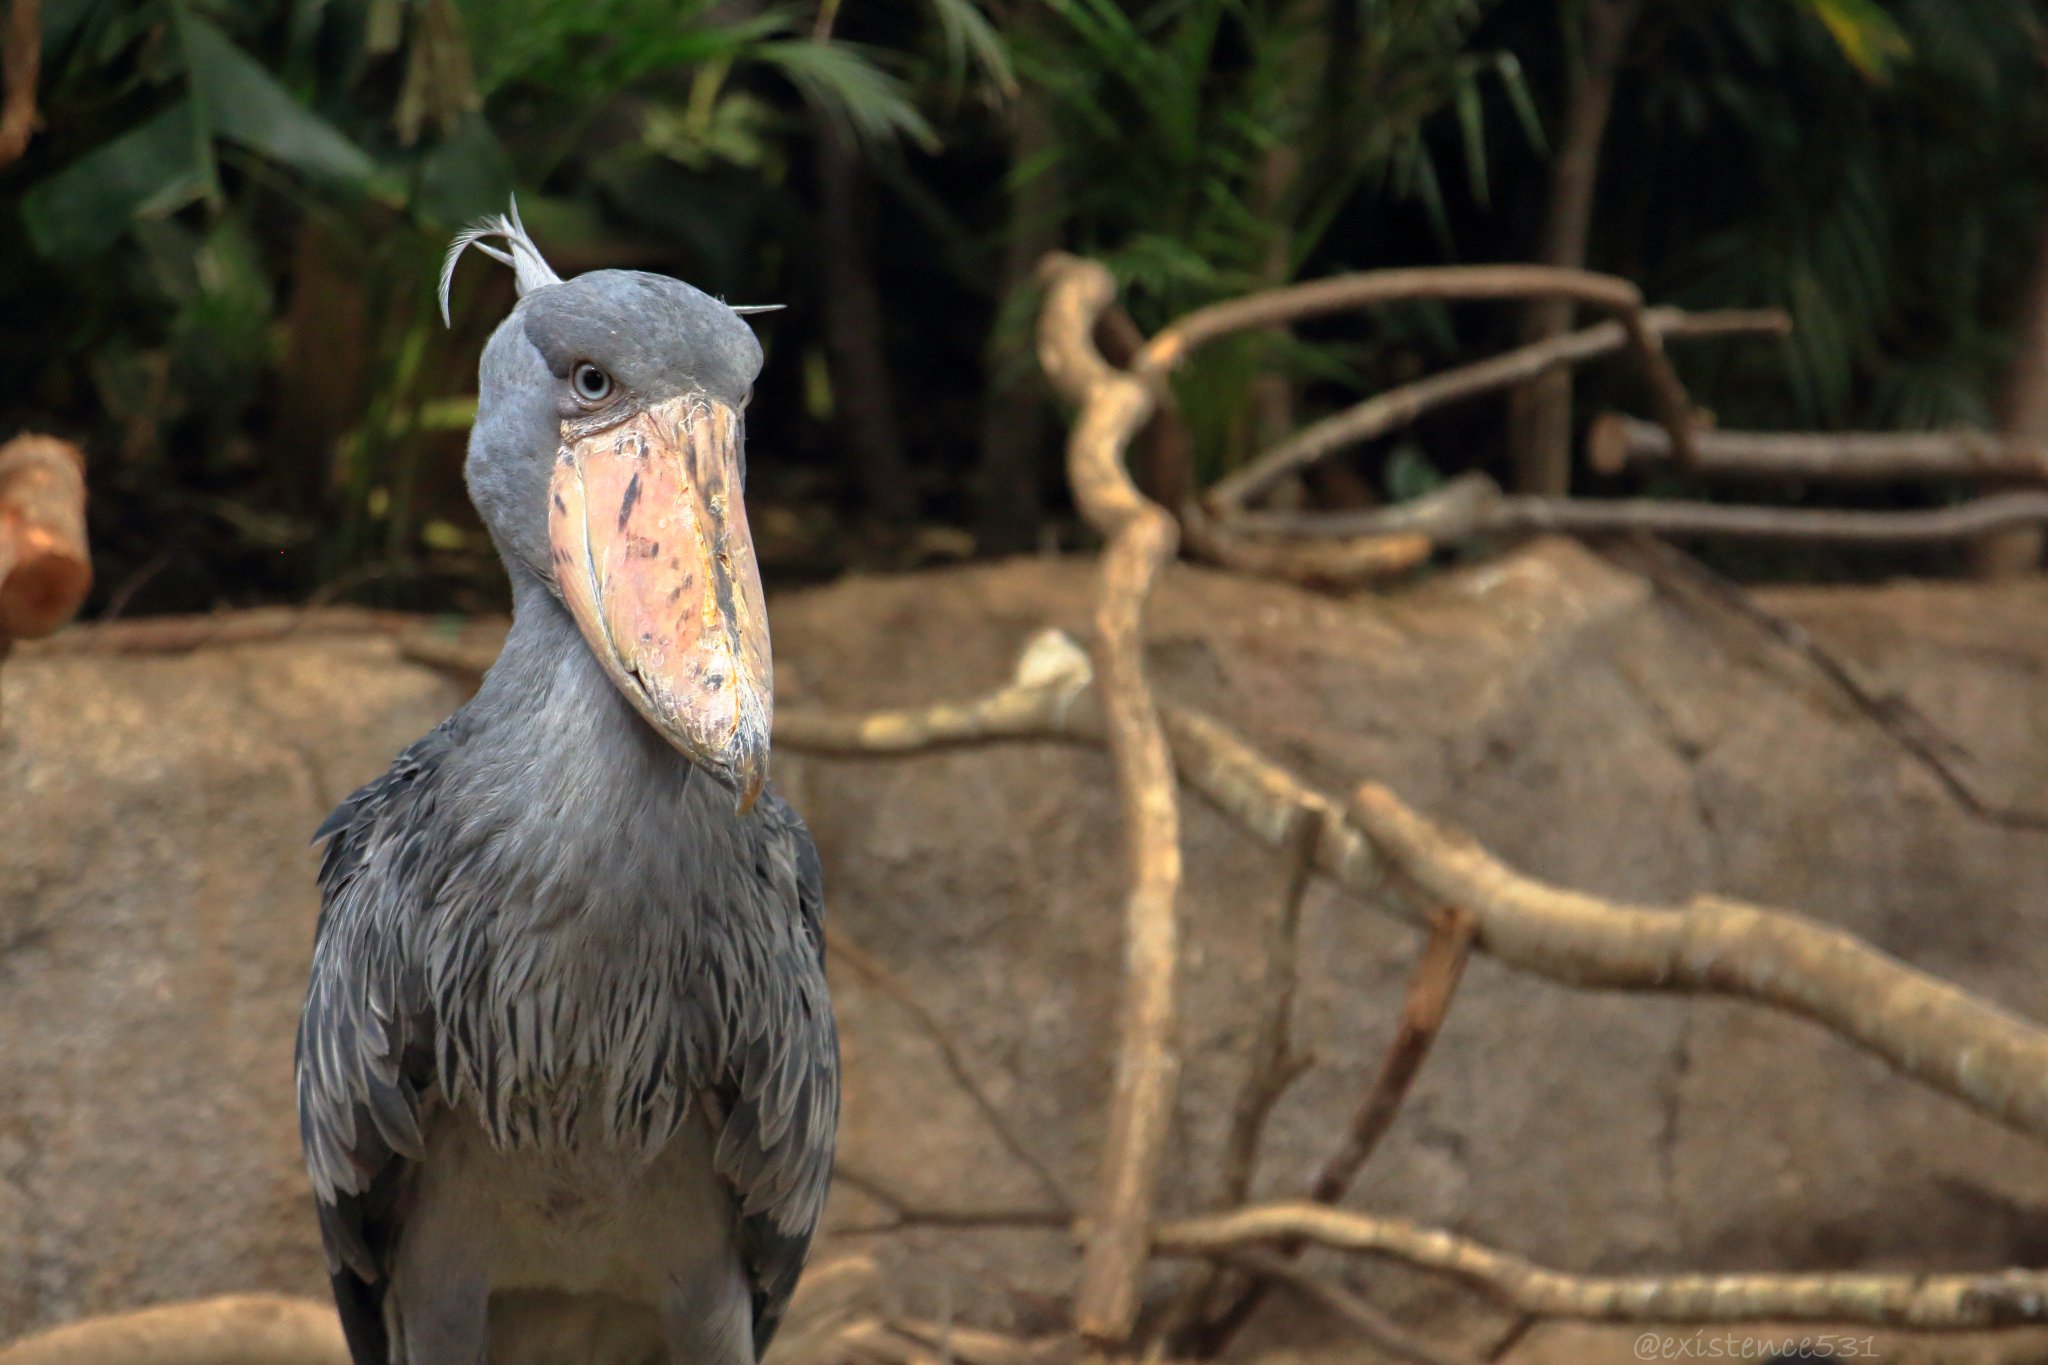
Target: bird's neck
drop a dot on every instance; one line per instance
(545, 664)
(555, 733)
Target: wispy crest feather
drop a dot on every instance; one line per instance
(529, 268)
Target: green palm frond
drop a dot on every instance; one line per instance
(973, 44)
(1879, 237)
(845, 82)
(1870, 38)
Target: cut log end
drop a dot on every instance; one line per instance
(45, 570)
(43, 590)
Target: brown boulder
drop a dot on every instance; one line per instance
(1591, 727)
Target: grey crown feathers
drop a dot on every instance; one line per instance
(530, 269)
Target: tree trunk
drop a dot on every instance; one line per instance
(1272, 415)
(862, 394)
(1278, 201)
(2024, 418)
(324, 380)
(1540, 416)
(1016, 426)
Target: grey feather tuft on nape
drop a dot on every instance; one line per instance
(529, 268)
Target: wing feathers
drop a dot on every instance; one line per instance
(736, 1013)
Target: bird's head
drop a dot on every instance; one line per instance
(609, 458)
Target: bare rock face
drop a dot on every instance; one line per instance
(1590, 726)
(156, 919)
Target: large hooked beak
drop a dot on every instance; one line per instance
(653, 558)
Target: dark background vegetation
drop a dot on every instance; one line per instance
(217, 257)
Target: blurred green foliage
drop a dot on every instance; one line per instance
(1894, 204)
(217, 258)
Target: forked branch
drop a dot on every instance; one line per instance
(1935, 1032)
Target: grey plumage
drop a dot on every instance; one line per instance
(567, 1055)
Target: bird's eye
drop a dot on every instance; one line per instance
(592, 385)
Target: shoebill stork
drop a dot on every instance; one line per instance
(567, 1072)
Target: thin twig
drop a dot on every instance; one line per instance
(1430, 989)
(1271, 1066)
(1691, 583)
(1508, 1340)
(120, 597)
(1141, 537)
(908, 1213)
(840, 948)
(1375, 1326)
(1428, 999)
(1274, 1062)
(1295, 302)
(1614, 442)
(1927, 1302)
(1398, 407)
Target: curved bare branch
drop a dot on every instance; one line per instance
(1397, 407)
(1142, 538)
(1990, 1299)
(1275, 306)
